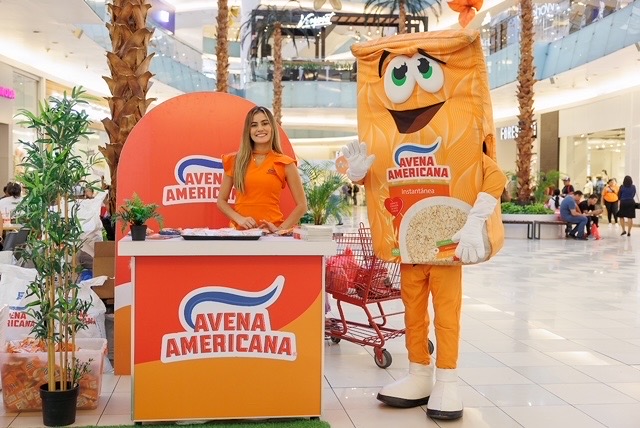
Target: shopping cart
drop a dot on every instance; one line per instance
(357, 277)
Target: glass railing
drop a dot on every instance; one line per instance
(305, 70)
(305, 94)
(175, 63)
(552, 21)
(602, 37)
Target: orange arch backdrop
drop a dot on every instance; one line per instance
(172, 158)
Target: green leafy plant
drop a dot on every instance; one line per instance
(514, 208)
(52, 168)
(544, 181)
(320, 184)
(134, 212)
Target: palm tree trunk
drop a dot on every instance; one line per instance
(130, 79)
(222, 47)
(402, 16)
(525, 95)
(277, 72)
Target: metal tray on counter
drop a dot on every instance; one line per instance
(221, 238)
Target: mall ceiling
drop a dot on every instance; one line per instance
(41, 36)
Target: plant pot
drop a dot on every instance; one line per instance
(58, 407)
(138, 232)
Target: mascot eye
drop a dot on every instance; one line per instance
(428, 73)
(399, 81)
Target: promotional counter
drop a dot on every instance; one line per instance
(226, 329)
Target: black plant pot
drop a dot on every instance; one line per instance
(58, 407)
(138, 232)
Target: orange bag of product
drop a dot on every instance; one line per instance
(341, 272)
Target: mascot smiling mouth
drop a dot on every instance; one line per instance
(410, 121)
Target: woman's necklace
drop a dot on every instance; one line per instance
(259, 157)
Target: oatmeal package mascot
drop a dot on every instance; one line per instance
(432, 189)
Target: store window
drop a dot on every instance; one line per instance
(26, 88)
(596, 154)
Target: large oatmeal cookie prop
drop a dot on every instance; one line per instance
(424, 110)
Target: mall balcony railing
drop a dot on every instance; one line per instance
(601, 37)
(333, 85)
(175, 63)
(306, 84)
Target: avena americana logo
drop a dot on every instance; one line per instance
(222, 322)
(414, 161)
(199, 178)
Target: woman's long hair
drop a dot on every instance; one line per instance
(627, 181)
(556, 198)
(244, 154)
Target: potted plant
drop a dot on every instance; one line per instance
(52, 168)
(320, 184)
(135, 213)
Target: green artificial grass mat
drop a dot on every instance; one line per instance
(298, 423)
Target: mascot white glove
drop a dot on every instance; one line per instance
(359, 163)
(470, 247)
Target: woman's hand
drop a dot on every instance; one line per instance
(269, 226)
(247, 223)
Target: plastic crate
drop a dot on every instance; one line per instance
(23, 373)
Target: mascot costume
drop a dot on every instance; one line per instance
(425, 119)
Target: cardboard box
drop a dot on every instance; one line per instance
(104, 263)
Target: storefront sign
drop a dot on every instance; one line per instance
(545, 10)
(310, 20)
(7, 93)
(511, 132)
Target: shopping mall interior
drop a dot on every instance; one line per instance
(550, 328)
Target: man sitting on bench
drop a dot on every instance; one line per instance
(570, 213)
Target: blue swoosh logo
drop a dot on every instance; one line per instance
(207, 163)
(226, 298)
(413, 148)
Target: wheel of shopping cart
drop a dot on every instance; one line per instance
(382, 358)
(335, 339)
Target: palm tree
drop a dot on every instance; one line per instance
(526, 81)
(270, 27)
(413, 7)
(222, 47)
(130, 79)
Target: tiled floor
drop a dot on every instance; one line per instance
(550, 338)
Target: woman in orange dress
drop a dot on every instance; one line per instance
(259, 171)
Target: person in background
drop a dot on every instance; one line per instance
(6, 190)
(554, 201)
(610, 198)
(259, 171)
(346, 192)
(570, 213)
(9, 203)
(567, 189)
(587, 189)
(627, 210)
(354, 194)
(589, 208)
(599, 186)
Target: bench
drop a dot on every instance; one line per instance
(530, 226)
(537, 224)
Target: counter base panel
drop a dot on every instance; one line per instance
(219, 359)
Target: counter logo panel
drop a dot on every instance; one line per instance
(223, 322)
